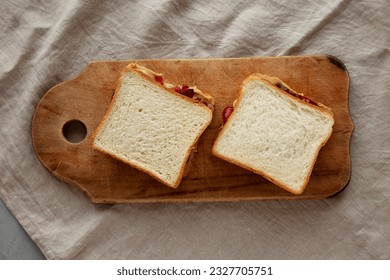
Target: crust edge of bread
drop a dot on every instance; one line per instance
(270, 178)
(132, 67)
(269, 81)
(186, 162)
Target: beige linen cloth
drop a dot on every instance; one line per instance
(46, 42)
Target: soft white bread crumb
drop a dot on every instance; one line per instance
(274, 134)
(151, 128)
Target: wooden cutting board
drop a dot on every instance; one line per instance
(106, 180)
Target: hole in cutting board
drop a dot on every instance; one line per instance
(74, 131)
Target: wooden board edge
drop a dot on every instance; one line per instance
(350, 130)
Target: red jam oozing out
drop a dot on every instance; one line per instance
(303, 98)
(227, 111)
(185, 90)
(159, 79)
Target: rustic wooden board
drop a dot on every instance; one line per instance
(106, 180)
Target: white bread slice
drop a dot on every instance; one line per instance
(273, 133)
(151, 127)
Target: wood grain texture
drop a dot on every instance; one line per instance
(106, 180)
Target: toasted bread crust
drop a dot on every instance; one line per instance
(271, 81)
(186, 162)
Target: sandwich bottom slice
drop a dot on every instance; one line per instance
(275, 132)
(151, 127)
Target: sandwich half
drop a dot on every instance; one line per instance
(153, 124)
(274, 131)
